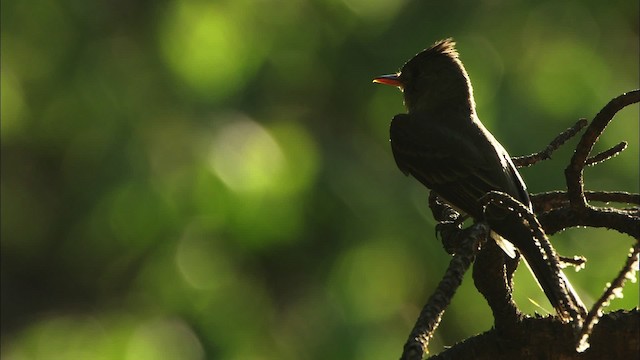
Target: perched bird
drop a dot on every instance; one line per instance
(442, 143)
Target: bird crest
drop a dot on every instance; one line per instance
(443, 48)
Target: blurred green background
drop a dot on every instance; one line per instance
(190, 179)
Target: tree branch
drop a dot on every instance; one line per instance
(574, 172)
(614, 289)
(431, 314)
(555, 199)
(607, 154)
(615, 334)
(623, 221)
(615, 337)
(528, 160)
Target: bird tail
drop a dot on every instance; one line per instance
(553, 281)
(545, 266)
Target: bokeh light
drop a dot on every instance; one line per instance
(210, 50)
(193, 179)
(246, 157)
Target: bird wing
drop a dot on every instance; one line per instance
(462, 166)
(459, 168)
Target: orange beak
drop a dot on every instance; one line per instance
(391, 79)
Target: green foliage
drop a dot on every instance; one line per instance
(194, 179)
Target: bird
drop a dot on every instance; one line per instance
(442, 143)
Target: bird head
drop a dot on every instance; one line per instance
(433, 78)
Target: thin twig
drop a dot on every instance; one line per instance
(555, 199)
(528, 160)
(577, 261)
(628, 272)
(607, 154)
